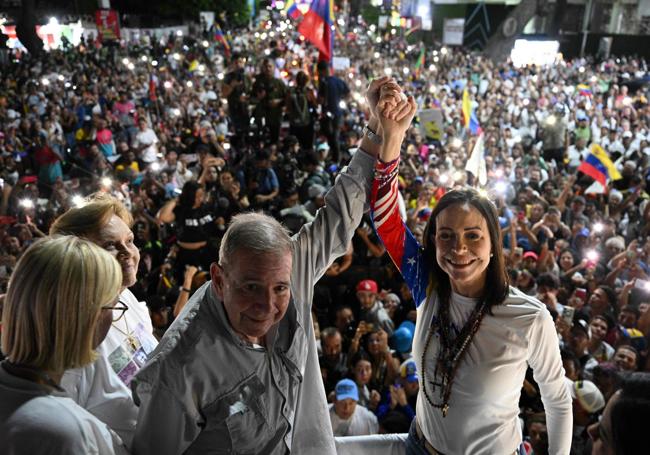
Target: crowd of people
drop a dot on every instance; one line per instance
(187, 133)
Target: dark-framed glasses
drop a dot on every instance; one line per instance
(118, 310)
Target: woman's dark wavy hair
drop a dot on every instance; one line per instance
(188, 195)
(497, 281)
(630, 415)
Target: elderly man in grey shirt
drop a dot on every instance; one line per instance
(238, 370)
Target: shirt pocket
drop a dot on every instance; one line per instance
(295, 358)
(237, 421)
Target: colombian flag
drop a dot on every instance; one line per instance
(469, 116)
(316, 27)
(292, 10)
(598, 166)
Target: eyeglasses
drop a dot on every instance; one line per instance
(118, 310)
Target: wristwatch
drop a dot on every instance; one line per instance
(374, 137)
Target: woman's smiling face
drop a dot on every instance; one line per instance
(463, 248)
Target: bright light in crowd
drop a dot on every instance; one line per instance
(155, 166)
(125, 61)
(263, 35)
(205, 43)
(201, 67)
(67, 85)
(443, 50)
(167, 84)
(500, 187)
(77, 201)
(131, 66)
(498, 173)
(176, 112)
(555, 90)
(405, 70)
(393, 31)
(388, 71)
(45, 81)
(526, 102)
(378, 40)
(106, 182)
(593, 79)
(257, 34)
(483, 193)
(517, 139)
(456, 143)
(189, 84)
(176, 56)
(444, 178)
(598, 227)
(220, 76)
(357, 83)
(144, 58)
(154, 63)
(377, 55)
(432, 67)
(26, 203)
(226, 145)
(179, 32)
(351, 75)
(550, 121)
(61, 77)
(279, 5)
(432, 89)
(54, 21)
(581, 69)
(342, 104)
(592, 255)
(267, 51)
(436, 59)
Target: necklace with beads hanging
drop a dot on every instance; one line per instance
(451, 353)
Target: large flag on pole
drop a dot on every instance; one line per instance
(316, 27)
(470, 120)
(476, 163)
(598, 166)
(221, 38)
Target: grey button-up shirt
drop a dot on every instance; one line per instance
(204, 390)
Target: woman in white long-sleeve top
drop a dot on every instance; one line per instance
(475, 335)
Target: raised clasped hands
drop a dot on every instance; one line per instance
(396, 111)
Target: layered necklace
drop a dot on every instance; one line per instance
(451, 353)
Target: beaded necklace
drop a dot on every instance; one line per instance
(450, 353)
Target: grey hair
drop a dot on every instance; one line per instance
(328, 332)
(256, 233)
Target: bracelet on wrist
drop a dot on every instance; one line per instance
(186, 290)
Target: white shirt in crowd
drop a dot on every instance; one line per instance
(362, 422)
(149, 138)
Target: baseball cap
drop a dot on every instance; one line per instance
(582, 325)
(588, 395)
(402, 339)
(408, 370)
(530, 254)
(346, 388)
(367, 286)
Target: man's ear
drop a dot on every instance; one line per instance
(217, 277)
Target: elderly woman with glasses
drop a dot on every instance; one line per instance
(54, 279)
(102, 387)
(475, 335)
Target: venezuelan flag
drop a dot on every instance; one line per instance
(316, 27)
(584, 90)
(292, 10)
(469, 116)
(221, 38)
(598, 166)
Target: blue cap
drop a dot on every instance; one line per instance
(346, 388)
(402, 339)
(409, 371)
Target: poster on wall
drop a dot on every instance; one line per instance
(108, 25)
(453, 31)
